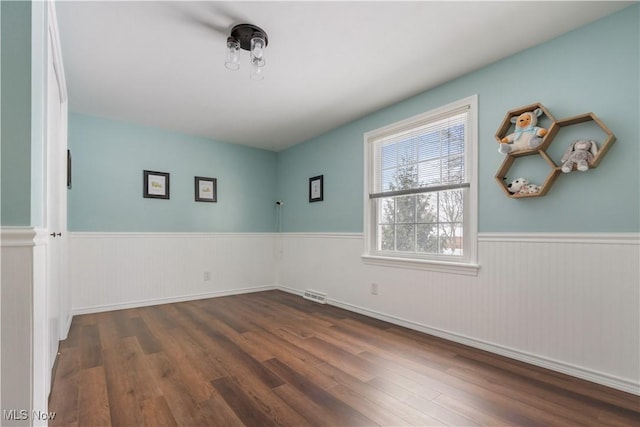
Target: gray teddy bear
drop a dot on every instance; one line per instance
(581, 153)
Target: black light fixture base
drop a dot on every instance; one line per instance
(244, 32)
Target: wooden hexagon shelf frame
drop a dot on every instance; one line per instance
(556, 170)
(583, 118)
(501, 176)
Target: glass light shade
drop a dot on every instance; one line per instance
(233, 55)
(258, 66)
(257, 46)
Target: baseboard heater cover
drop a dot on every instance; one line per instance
(315, 296)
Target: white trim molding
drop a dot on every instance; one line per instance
(17, 236)
(56, 54)
(169, 300)
(419, 264)
(577, 238)
(165, 235)
(332, 235)
(22, 236)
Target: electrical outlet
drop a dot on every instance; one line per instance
(207, 276)
(374, 289)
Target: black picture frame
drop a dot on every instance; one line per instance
(206, 189)
(316, 189)
(155, 185)
(69, 169)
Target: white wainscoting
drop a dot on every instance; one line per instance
(22, 328)
(111, 271)
(16, 326)
(567, 302)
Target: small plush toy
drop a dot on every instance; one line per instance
(522, 186)
(526, 136)
(581, 153)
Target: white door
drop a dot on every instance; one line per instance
(56, 154)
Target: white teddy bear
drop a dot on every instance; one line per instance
(522, 186)
(526, 135)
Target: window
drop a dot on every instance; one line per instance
(420, 185)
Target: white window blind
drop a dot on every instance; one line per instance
(425, 157)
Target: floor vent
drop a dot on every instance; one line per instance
(315, 296)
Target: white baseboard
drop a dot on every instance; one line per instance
(554, 365)
(169, 300)
(67, 327)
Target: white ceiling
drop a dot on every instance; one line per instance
(162, 63)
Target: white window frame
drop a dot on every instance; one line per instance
(467, 264)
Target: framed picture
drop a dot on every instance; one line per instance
(156, 185)
(69, 169)
(206, 189)
(316, 191)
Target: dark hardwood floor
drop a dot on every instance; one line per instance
(272, 358)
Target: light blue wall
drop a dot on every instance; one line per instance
(109, 157)
(16, 114)
(338, 157)
(592, 69)
(39, 89)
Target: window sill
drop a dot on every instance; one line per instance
(467, 269)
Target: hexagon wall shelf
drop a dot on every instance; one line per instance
(541, 150)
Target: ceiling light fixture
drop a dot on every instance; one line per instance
(251, 38)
